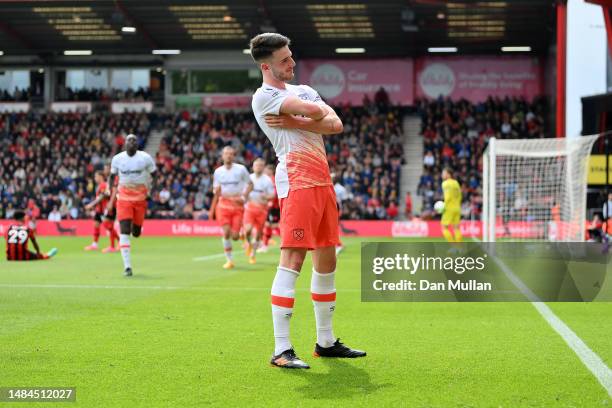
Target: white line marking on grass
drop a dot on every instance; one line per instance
(588, 357)
(77, 286)
(220, 255)
(207, 257)
(193, 288)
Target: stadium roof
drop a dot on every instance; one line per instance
(317, 28)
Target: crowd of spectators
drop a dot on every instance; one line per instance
(18, 94)
(191, 150)
(51, 157)
(48, 160)
(456, 133)
(103, 95)
(366, 159)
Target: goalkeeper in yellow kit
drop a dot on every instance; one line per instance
(452, 206)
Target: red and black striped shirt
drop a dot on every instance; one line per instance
(17, 238)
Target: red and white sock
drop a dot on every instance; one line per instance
(227, 248)
(283, 297)
(323, 291)
(256, 245)
(124, 245)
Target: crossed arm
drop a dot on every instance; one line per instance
(305, 115)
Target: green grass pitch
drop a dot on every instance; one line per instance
(185, 332)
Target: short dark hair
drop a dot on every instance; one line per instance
(263, 45)
(19, 215)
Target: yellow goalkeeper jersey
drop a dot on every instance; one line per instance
(452, 194)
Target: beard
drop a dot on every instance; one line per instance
(282, 75)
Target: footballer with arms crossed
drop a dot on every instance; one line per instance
(134, 168)
(294, 118)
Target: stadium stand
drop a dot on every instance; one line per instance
(455, 133)
(101, 95)
(18, 95)
(52, 157)
(366, 159)
(69, 148)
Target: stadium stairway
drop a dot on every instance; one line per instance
(412, 170)
(153, 142)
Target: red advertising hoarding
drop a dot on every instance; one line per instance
(347, 81)
(396, 229)
(477, 78)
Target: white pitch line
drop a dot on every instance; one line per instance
(219, 255)
(191, 288)
(589, 358)
(207, 257)
(78, 286)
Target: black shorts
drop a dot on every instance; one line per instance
(274, 215)
(100, 217)
(25, 256)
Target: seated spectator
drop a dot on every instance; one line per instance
(55, 215)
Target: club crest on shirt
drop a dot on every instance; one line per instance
(298, 234)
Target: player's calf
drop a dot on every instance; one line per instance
(136, 231)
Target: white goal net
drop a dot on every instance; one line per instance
(535, 189)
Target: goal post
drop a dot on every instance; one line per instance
(535, 189)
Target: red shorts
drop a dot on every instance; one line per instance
(131, 210)
(309, 218)
(255, 216)
(230, 215)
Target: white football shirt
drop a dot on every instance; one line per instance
(262, 186)
(302, 162)
(233, 181)
(134, 173)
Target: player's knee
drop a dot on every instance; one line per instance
(295, 261)
(296, 264)
(136, 231)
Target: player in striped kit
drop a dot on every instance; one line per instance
(231, 186)
(17, 238)
(256, 210)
